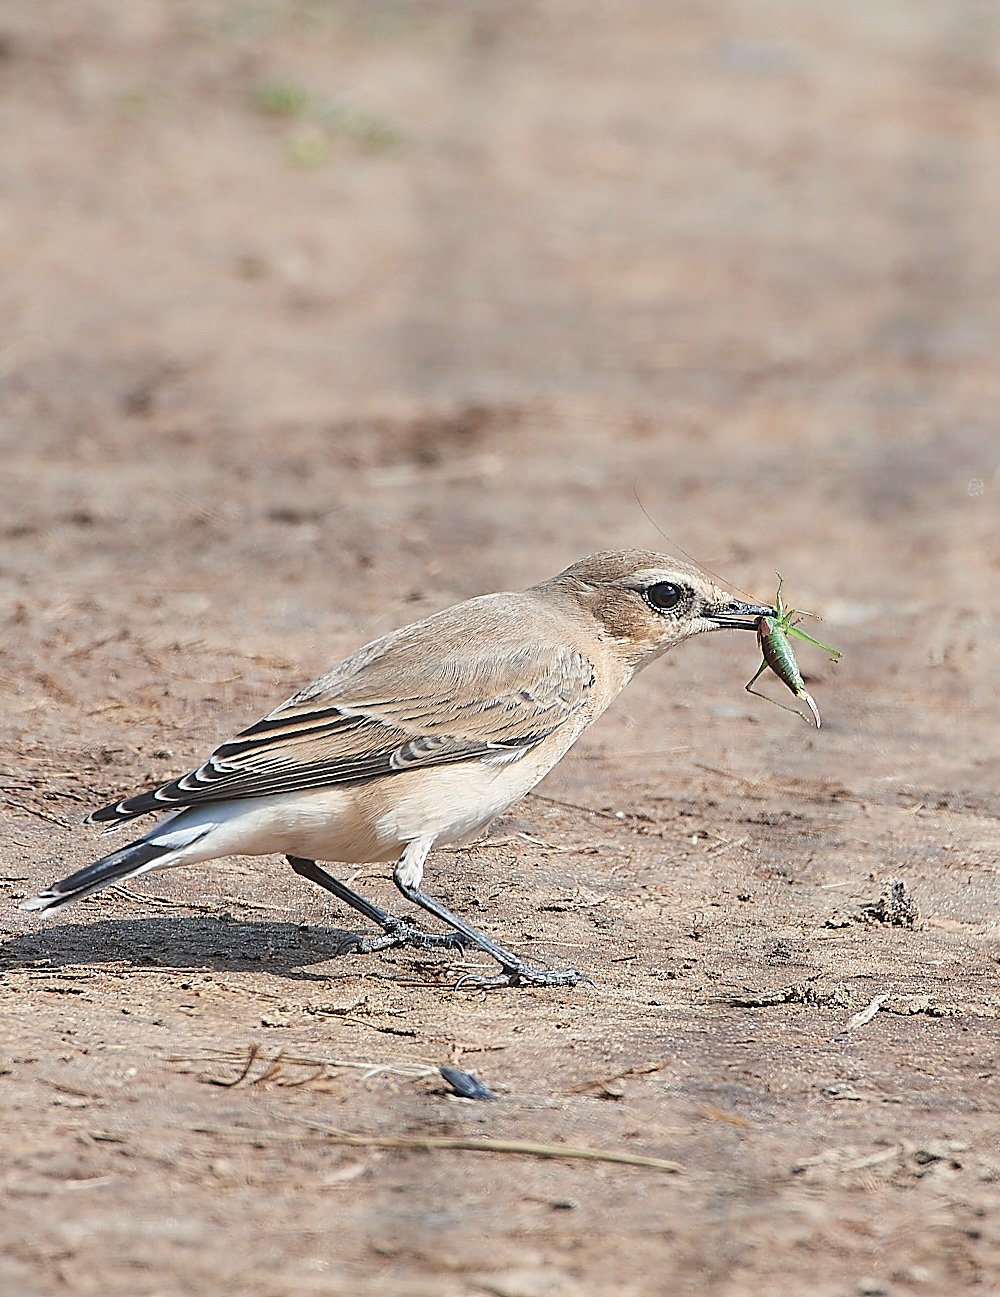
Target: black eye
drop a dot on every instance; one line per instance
(664, 596)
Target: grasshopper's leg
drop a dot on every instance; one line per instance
(784, 706)
(800, 634)
(761, 668)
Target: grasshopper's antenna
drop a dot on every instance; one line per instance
(691, 559)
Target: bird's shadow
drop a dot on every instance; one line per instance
(182, 942)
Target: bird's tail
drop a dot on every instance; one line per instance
(136, 858)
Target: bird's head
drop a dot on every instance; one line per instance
(648, 602)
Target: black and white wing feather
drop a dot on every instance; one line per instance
(423, 696)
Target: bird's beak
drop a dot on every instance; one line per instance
(738, 615)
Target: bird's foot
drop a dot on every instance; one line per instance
(518, 973)
(513, 969)
(403, 934)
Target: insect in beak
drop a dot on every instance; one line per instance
(774, 629)
(738, 615)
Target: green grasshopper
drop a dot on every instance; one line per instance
(772, 636)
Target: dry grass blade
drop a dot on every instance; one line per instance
(794, 993)
(33, 810)
(832, 793)
(252, 1054)
(272, 1071)
(574, 806)
(515, 1146)
(867, 1013)
(147, 898)
(413, 1071)
(716, 1114)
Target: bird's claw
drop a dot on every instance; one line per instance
(525, 975)
(402, 934)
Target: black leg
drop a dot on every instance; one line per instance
(397, 931)
(515, 971)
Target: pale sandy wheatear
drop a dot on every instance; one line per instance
(421, 738)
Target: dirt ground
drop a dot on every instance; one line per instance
(318, 317)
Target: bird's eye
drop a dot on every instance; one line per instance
(664, 595)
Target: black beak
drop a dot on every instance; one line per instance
(740, 616)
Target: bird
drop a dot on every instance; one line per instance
(420, 739)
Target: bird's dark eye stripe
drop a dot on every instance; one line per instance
(664, 595)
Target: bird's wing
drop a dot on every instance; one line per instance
(415, 699)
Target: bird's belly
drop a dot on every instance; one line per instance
(449, 803)
(362, 822)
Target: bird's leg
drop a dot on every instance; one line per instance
(397, 931)
(516, 972)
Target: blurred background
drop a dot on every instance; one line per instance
(318, 316)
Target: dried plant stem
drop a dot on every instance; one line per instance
(525, 1149)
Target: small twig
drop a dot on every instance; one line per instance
(431, 1143)
(867, 1013)
(729, 774)
(376, 1026)
(252, 1054)
(272, 1071)
(32, 810)
(162, 900)
(606, 1082)
(537, 842)
(716, 1114)
(412, 1070)
(85, 649)
(318, 1075)
(833, 794)
(252, 905)
(39, 969)
(793, 993)
(874, 1159)
(458, 470)
(575, 806)
(193, 905)
(724, 844)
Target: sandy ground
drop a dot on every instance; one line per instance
(318, 317)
